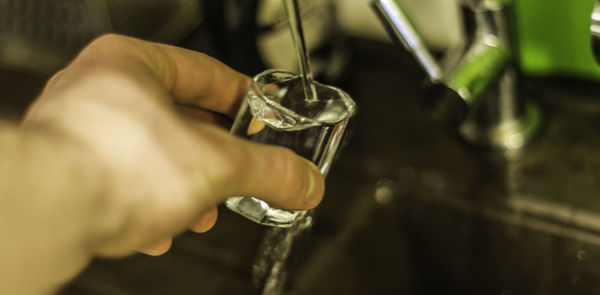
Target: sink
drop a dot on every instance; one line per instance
(412, 209)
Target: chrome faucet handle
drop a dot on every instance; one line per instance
(462, 83)
(477, 91)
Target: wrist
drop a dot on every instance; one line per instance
(50, 197)
(79, 179)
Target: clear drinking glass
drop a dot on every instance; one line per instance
(275, 111)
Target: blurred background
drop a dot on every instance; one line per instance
(411, 206)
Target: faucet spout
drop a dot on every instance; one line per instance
(400, 27)
(475, 92)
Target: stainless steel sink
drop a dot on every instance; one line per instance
(412, 209)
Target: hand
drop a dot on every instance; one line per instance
(147, 116)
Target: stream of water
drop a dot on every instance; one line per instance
(270, 268)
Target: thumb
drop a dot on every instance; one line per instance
(275, 175)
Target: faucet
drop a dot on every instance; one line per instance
(474, 88)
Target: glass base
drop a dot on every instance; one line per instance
(260, 212)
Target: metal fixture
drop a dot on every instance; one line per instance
(476, 89)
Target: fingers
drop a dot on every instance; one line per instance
(197, 79)
(232, 166)
(205, 222)
(205, 116)
(159, 248)
(189, 77)
(276, 175)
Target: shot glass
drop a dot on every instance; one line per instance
(275, 111)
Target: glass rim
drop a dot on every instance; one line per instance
(348, 101)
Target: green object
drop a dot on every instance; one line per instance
(480, 67)
(554, 38)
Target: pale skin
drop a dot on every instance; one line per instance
(122, 151)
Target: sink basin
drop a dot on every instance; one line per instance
(412, 209)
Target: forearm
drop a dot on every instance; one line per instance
(48, 203)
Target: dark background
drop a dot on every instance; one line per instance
(410, 208)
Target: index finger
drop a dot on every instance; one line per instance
(197, 79)
(192, 78)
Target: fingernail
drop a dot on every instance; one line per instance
(255, 126)
(314, 176)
